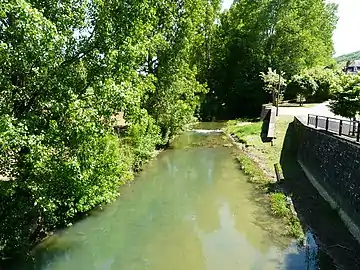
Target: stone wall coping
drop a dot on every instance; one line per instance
(327, 133)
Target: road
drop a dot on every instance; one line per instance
(321, 109)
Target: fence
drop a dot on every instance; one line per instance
(341, 127)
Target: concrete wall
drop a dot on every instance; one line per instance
(265, 112)
(333, 166)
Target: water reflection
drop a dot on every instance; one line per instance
(231, 243)
(191, 208)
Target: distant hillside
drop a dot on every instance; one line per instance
(346, 57)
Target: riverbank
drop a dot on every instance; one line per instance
(314, 213)
(27, 228)
(257, 160)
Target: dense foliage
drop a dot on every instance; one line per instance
(346, 99)
(66, 68)
(286, 35)
(313, 85)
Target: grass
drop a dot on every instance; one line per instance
(310, 105)
(280, 208)
(279, 205)
(264, 153)
(243, 129)
(257, 161)
(251, 168)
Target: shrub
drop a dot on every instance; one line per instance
(57, 175)
(346, 98)
(313, 85)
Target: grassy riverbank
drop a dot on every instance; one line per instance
(257, 160)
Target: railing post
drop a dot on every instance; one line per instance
(353, 128)
(327, 124)
(340, 127)
(308, 119)
(358, 131)
(316, 121)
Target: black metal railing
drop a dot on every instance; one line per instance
(341, 127)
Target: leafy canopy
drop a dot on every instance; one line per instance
(346, 100)
(286, 35)
(67, 68)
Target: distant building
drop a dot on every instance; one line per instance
(352, 67)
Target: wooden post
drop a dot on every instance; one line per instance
(308, 119)
(316, 121)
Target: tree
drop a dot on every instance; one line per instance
(287, 35)
(305, 86)
(299, 34)
(273, 83)
(313, 85)
(65, 70)
(346, 100)
(173, 65)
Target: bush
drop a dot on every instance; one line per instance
(346, 98)
(60, 91)
(57, 175)
(143, 137)
(313, 85)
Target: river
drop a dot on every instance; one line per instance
(190, 208)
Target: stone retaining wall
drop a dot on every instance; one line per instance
(334, 163)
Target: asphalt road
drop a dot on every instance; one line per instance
(323, 110)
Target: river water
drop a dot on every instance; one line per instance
(191, 209)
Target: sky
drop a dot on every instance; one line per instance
(346, 36)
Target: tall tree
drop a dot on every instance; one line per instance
(287, 35)
(66, 68)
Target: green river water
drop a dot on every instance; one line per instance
(191, 209)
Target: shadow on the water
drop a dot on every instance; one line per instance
(314, 212)
(308, 256)
(38, 258)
